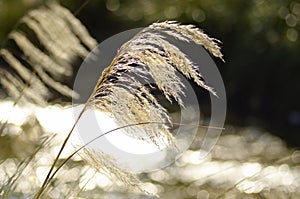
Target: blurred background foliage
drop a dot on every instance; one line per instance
(260, 42)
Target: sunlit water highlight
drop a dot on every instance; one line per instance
(58, 119)
(249, 162)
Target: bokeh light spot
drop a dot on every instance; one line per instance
(291, 20)
(198, 15)
(292, 34)
(112, 5)
(172, 12)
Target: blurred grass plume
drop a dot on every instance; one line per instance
(39, 54)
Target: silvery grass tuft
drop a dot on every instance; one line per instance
(123, 90)
(38, 67)
(148, 57)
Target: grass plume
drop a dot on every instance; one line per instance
(122, 91)
(36, 67)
